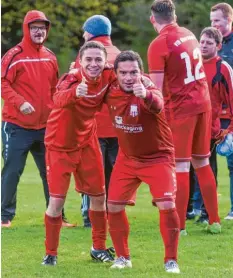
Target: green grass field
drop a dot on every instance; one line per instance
(200, 254)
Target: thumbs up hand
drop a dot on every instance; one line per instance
(81, 90)
(139, 89)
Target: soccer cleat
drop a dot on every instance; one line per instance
(65, 223)
(202, 220)
(121, 262)
(183, 232)
(190, 215)
(229, 216)
(104, 256)
(6, 224)
(49, 260)
(214, 228)
(171, 266)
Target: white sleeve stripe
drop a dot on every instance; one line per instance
(230, 70)
(29, 60)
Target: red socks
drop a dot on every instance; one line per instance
(182, 196)
(209, 192)
(170, 231)
(99, 229)
(52, 229)
(119, 231)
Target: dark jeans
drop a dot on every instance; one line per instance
(17, 143)
(109, 149)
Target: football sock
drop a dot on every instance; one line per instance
(209, 192)
(182, 196)
(52, 230)
(170, 230)
(119, 232)
(99, 229)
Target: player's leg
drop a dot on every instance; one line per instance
(205, 175)
(16, 143)
(89, 179)
(230, 167)
(59, 169)
(161, 178)
(122, 189)
(182, 130)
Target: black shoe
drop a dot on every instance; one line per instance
(103, 256)
(49, 260)
(190, 215)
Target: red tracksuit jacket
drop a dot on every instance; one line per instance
(71, 124)
(220, 81)
(29, 73)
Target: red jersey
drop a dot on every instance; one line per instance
(142, 131)
(175, 52)
(29, 73)
(71, 124)
(104, 123)
(220, 81)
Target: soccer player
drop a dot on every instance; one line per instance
(98, 28)
(220, 81)
(146, 155)
(27, 84)
(175, 66)
(221, 17)
(72, 147)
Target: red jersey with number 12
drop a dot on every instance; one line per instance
(176, 53)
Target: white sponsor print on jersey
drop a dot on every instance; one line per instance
(118, 120)
(133, 110)
(127, 128)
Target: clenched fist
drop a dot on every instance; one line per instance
(81, 90)
(26, 108)
(138, 89)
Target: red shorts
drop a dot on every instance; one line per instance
(128, 175)
(191, 136)
(87, 166)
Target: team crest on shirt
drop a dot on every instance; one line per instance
(133, 110)
(118, 120)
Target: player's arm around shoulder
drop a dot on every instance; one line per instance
(153, 99)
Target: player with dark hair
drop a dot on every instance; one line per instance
(72, 147)
(175, 66)
(146, 155)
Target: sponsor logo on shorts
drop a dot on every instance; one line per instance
(168, 194)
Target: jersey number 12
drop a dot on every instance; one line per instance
(197, 74)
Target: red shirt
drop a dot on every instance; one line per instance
(142, 131)
(71, 123)
(104, 123)
(29, 73)
(220, 81)
(175, 52)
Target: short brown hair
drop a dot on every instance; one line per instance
(225, 8)
(212, 33)
(92, 44)
(128, 55)
(163, 11)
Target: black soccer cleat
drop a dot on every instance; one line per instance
(104, 256)
(49, 260)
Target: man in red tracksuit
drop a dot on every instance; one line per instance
(29, 77)
(146, 155)
(72, 147)
(220, 82)
(98, 28)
